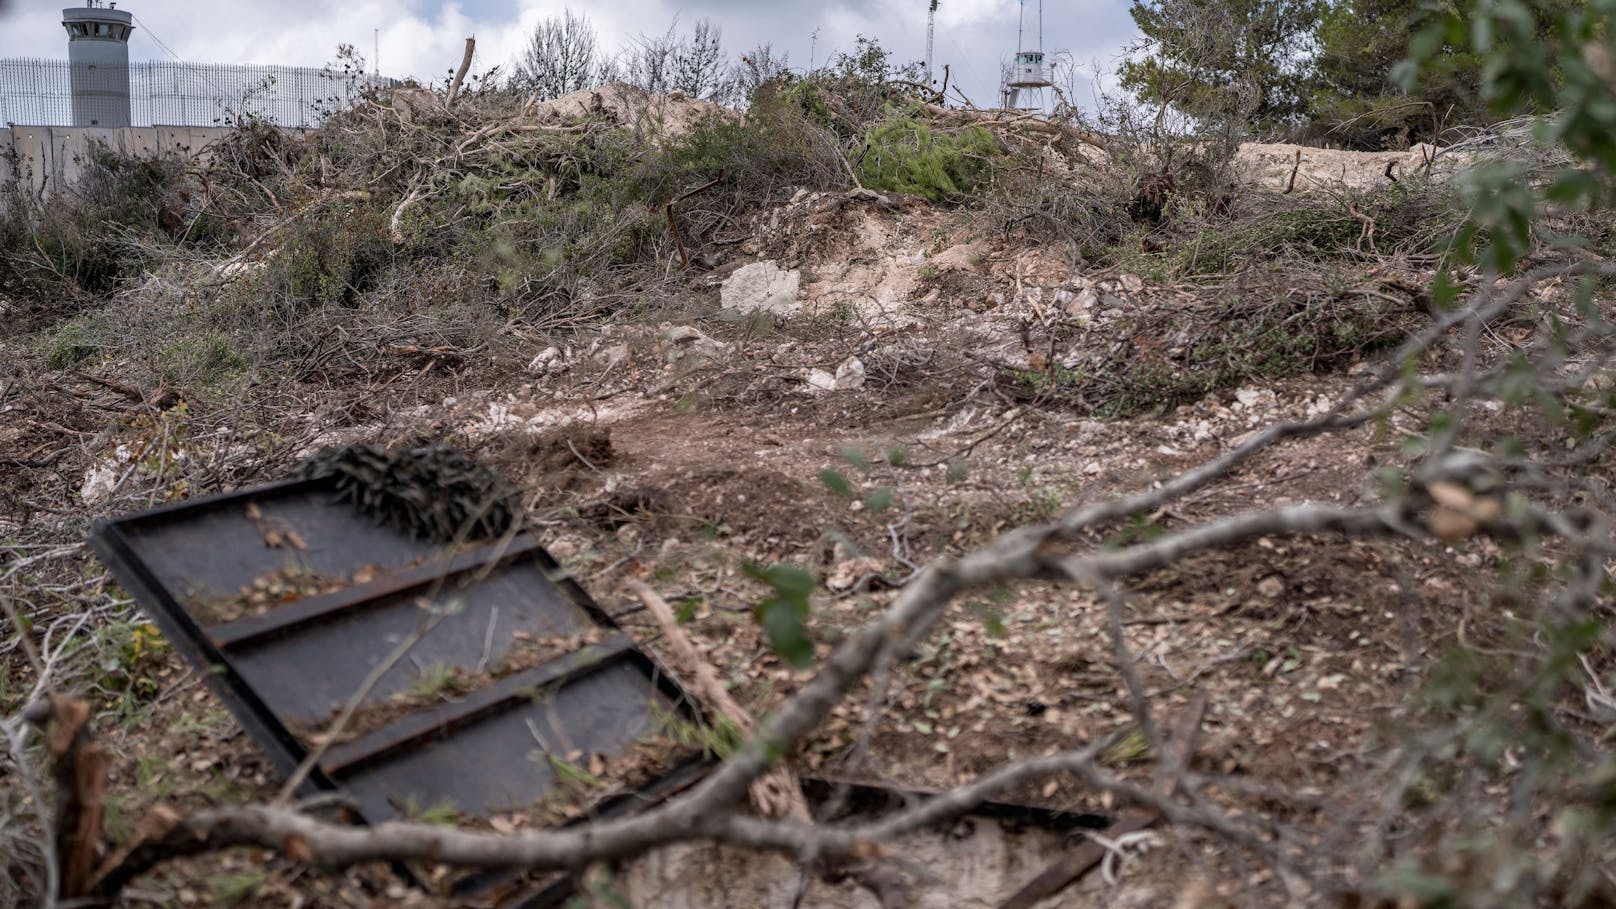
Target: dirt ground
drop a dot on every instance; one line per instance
(679, 447)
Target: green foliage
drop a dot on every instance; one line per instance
(233, 889)
(73, 342)
(718, 740)
(784, 613)
(96, 237)
(1542, 55)
(1356, 102)
(330, 256)
(569, 776)
(836, 482)
(1325, 320)
(854, 89)
(767, 156)
(1130, 748)
(438, 678)
(442, 814)
(879, 499)
(905, 155)
(1502, 718)
(1358, 98)
(206, 358)
(1224, 62)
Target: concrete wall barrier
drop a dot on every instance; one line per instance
(52, 157)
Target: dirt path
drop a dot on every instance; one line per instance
(677, 453)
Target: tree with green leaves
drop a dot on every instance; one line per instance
(1355, 97)
(1224, 61)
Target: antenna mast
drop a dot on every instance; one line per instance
(931, 30)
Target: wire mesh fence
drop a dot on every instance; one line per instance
(37, 92)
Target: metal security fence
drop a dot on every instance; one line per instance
(44, 92)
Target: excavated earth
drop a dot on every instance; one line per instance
(680, 447)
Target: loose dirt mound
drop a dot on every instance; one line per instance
(619, 104)
(1270, 165)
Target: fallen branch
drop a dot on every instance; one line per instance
(79, 764)
(395, 224)
(460, 74)
(777, 793)
(1080, 861)
(673, 228)
(128, 391)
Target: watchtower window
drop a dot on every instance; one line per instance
(76, 30)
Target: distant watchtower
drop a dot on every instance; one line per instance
(1027, 79)
(98, 51)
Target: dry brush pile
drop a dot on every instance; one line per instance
(229, 317)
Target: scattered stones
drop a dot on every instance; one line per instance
(762, 286)
(845, 574)
(686, 345)
(101, 479)
(610, 355)
(547, 360)
(820, 381)
(849, 375)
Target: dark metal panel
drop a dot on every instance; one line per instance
(502, 762)
(441, 720)
(283, 749)
(470, 627)
(549, 672)
(210, 549)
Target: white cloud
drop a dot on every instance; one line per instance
(423, 39)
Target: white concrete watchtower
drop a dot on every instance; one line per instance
(98, 52)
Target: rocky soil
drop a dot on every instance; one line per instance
(893, 343)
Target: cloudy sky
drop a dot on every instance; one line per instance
(423, 39)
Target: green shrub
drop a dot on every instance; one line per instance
(907, 156)
(1209, 236)
(330, 256)
(73, 342)
(207, 358)
(94, 237)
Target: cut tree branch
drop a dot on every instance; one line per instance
(460, 74)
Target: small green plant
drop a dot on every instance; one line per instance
(436, 679)
(440, 814)
(879, 498)
(72, 343)
(232, 889)
(718, 740)
(1044, 498)
(1131, 748)
(570, 777)
(1138, 529)
(330, 256)
(784, 612)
